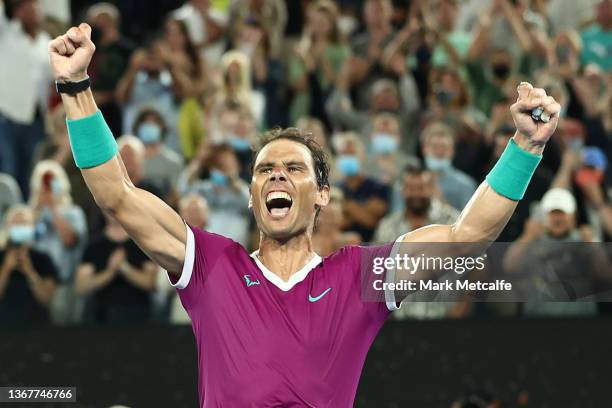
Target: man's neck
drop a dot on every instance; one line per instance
(287, 257)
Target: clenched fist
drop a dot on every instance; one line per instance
(536, 132)
(71, 53)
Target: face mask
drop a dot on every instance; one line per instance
(445, 97)
(239, 144)
(348, 165)
(501, 71)
(21, 234)
(383, 143)
(563, 53)
(218, 178)
(435, 164)
(149, 133)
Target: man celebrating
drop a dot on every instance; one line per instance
(283, 326)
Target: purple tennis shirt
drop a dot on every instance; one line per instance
(264, 342)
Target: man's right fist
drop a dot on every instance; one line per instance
(71, 53)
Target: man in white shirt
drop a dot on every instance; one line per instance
(24, 86)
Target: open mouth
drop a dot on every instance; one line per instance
(278, 203)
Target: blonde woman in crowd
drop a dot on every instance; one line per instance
(60, 232)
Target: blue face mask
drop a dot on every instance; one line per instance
(149, 133)
(239, 144)
(435, 164)
(348, 165)
(21, 234)
(383, 143)
(218, 178)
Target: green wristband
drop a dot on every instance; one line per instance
(91, 141)
(511, 174)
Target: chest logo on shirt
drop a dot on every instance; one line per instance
(249, 282)
(312, 299)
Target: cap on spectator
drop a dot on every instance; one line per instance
(558, 199)
(103, 8)
(594, 157)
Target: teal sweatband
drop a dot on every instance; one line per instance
(511, 174)
(91, 141)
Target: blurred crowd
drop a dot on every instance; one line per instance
(409, 98)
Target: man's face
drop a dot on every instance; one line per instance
(559, 224)
(195, 212)
(385, 100)
(228, 164)
(417, 191)
(439, 147)
(386, 125)
(284, 191)
(30, 14)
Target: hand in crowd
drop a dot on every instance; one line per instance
(117, 258)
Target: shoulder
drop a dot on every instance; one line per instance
(172, 156)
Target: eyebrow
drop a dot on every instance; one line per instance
(286, 164)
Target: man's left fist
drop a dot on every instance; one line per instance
(537, 132)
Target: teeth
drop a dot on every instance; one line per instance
(277, 194)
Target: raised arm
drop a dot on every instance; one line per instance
(154, 226)
(492, 205)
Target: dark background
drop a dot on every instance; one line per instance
(559, 363)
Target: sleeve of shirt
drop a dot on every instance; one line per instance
(370, 263)
(202, 251)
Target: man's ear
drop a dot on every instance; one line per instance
(250, 201)
(322, 197)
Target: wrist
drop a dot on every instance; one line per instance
(528, 144)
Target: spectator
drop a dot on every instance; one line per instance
(421, 207)
(119, 275)
(540, 249)
(109, 62)
(149, 83)
(271, 15)
(365, 199)
(328, 236)
(385, 159)
(318, 60)
(438, 150)
(162, 166)
(366, 66)
(252, 39)
(206, 27)
(193, 208)
(9, 193)
(24, 84)
(385, 97)
(227, 195)
(597, 39)
(61, 229)
(236, 88)
(27, 277)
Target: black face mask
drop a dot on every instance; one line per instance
(445, 97)
(501, 71)
(418, 206)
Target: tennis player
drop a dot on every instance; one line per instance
(281, 327)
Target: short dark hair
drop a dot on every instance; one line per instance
(319, 158)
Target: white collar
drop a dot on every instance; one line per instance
(293, 279)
